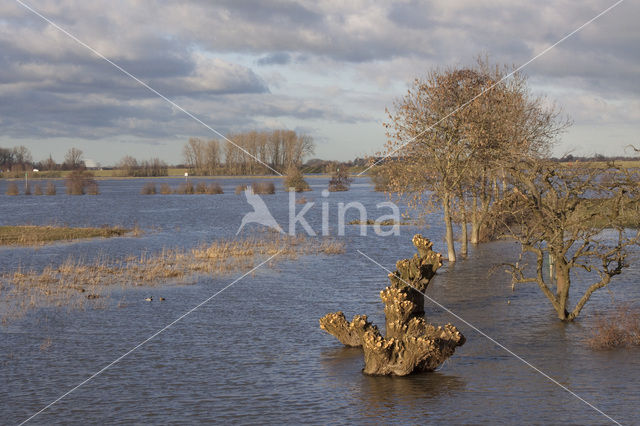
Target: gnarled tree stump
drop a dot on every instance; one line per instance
(410, 344)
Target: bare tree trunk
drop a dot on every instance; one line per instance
(464, 245)
(475, 226)
(451, 249)
(562, 288)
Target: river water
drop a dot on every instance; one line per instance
(254, 354)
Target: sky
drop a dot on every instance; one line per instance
(328, 69)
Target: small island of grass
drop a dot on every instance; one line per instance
(32, 235)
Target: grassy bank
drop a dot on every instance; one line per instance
(75, 282)
(34, 235)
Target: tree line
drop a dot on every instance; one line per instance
(249, 153)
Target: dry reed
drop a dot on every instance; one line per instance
(149, 188)
(618, 328)
(12, 189)
(51, 188)
(75, 282)
(263, 187)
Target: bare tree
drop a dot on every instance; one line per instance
(73, 159)
(573, 220)
(453, 134)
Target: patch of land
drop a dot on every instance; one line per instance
(76, 282)
(387, 222)
(33, 235)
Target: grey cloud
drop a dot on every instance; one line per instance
(277, 58)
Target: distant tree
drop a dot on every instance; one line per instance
(22, 155)
(340, 180)
(73, 159)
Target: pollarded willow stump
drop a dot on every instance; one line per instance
(410, 344)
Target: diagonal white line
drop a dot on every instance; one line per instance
(121, 357)
(142, 83)
(464, 105)
(482, 333)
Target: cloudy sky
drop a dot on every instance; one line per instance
(324, 68)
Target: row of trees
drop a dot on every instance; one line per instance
(129, 166)
(279, 149)
(19, 159)
(475, 142)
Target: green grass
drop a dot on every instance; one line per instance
(32, 235)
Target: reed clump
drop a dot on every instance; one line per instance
(262, 187)
(186, 188)
(70, 283)
(80, 182)
(165, 189)
(27, 189)
(618, 328)
(12, 189)
(148, 189)
(51, 188)
(37, 189)
(240, 189)
(214, 188)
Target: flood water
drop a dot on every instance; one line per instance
(254, 354)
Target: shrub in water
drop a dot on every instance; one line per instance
(12, 189)
(79, 181)
(37, 189)
(165, 189)
(263, 187)
(214, 188)
(92, 188)
(240, 189)
(340, 181)
(295, 179)
(201, 188)
(149, 188)
(51, 188)
(27, 189)
(185, 188)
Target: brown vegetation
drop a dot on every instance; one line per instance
(37, 189)
(295, 179)
(340, 180)
(263, 187)
(12, 189)
(165, 189)
(559, 218)
(618, 328)
(69, 284)
(30, 235)
(79, 182)
(278, 148)
(51, 188)
(149, 188)
(186, 188)
(452, 135)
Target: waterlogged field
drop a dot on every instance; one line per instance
(254, 353)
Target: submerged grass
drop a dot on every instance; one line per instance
(34, 235)
(75, 282)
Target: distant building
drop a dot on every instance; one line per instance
(90, 164)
